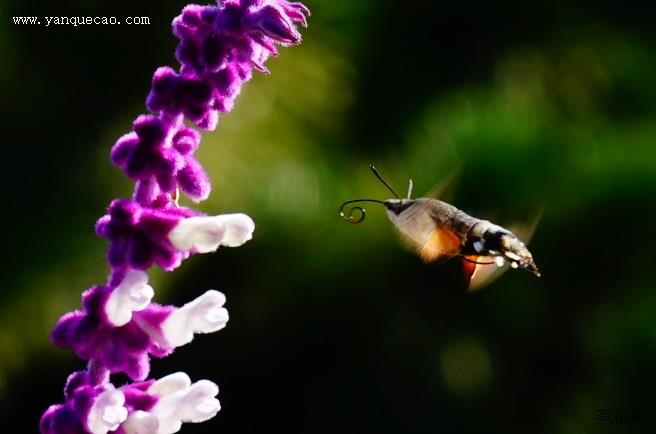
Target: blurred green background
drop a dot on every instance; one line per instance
(336, 328)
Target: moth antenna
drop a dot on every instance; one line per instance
(380, 178)
(409, 188)
(363, 212)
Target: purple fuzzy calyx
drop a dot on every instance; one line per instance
(123, 338)
(159, 155)
(92, 405)
(138, 235)
(273, 22)
(125, 349)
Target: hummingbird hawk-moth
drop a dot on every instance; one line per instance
(440, 231)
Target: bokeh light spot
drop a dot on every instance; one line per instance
(465, 366)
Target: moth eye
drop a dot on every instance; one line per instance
(396, 206)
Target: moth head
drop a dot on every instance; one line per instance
(396, 207)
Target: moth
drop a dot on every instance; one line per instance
(439, 231)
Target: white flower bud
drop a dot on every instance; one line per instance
(107, 412)
(180, 401)
(205, 314)
(132, 295)
(206, 234)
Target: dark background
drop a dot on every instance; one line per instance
(335, 327)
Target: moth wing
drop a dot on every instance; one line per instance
(442, 243)
(445, 188)
(485, 271)
(424, 234)
(524, 230)
(481, 272)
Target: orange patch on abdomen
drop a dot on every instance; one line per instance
(442, 243)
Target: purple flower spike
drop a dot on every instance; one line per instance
(119, 329)
(138, 235)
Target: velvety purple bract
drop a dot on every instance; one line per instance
(272, 22)
(81, 389)
(137, 397)
(61, 419)
(138, 235)
(124, 349)
(158, 154)
(175, 94)
(145, 153)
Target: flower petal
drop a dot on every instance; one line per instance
(205, 314)
(107, 412)
(202, 234)
(132, 295)
(140, 422)
(195, 403)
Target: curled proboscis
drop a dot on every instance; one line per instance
(362, 213)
